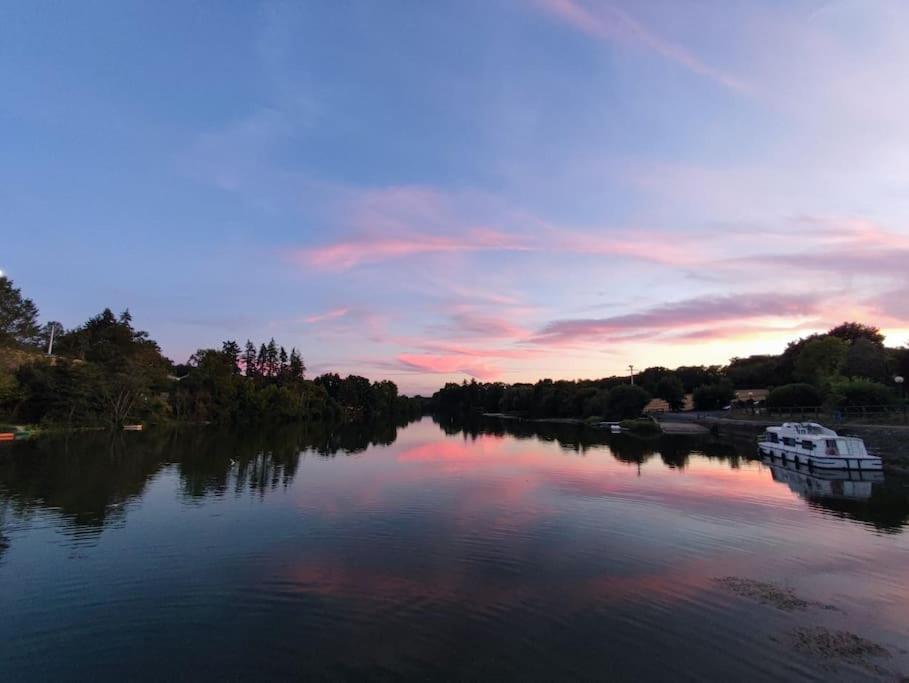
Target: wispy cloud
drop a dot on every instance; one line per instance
(608, 22)
(678, 315)
(449, 365)
(349, 254)
(411, 221)
(333, 314)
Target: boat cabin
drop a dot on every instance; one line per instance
(811, 438)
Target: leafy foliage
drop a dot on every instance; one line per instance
(18, 317)
(795, 395)
(820, 360)
(671, 390)
(860, 392)
(713, 396)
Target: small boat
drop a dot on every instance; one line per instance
(132, 428)
(7, 436)
(808, 443)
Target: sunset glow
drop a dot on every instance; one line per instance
(443, 191)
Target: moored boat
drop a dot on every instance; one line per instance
(808, 443)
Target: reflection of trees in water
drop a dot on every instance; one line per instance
(673, 450)
(85, 478)
(262, 460)
(887, 509)
(4, 541)
(89, 478)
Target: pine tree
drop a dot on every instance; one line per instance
(231, 351)
(263, 361)
(271, 357)
(249, 359)
(297, 368)
(282, 359)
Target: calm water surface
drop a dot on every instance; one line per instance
(501, 551)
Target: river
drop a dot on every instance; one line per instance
(441, 550)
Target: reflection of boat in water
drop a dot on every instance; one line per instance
(808, 443)
(824, 484)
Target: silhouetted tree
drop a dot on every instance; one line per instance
(231, 351)
(670, 389)
(852, 332)
(249, 360)
(18, 317)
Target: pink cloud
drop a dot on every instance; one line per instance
(699, 311)
(450, 365)
(354, 252)
(611, 24)
(366, 249)
(333, 314)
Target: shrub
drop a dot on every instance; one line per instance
(713, 396)
(860, 392)
(794, 395)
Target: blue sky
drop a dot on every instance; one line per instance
(432, 191)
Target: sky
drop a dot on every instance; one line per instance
(504, 190)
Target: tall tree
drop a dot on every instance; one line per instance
(820, 360)
(262, 362)
(231, 351)
(271, 358)
(282, 362)
(671, 390)
(249, 359)
(297, 368)
(866, 358)
(851, 332)
(18, 317)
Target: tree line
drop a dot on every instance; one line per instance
(106, 372)
(849, 365)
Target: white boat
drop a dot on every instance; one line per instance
(808, 443)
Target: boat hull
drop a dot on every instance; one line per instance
(775, 450)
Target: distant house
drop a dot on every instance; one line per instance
(658, 405)
(752, 394)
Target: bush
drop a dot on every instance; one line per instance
(713, 396)
(794, 395)
(860, 392)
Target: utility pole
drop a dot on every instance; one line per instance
(631, 370)
(50, 343)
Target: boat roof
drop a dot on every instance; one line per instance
(812, 428)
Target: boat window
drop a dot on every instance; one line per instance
(809, 445)
(789, 441)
